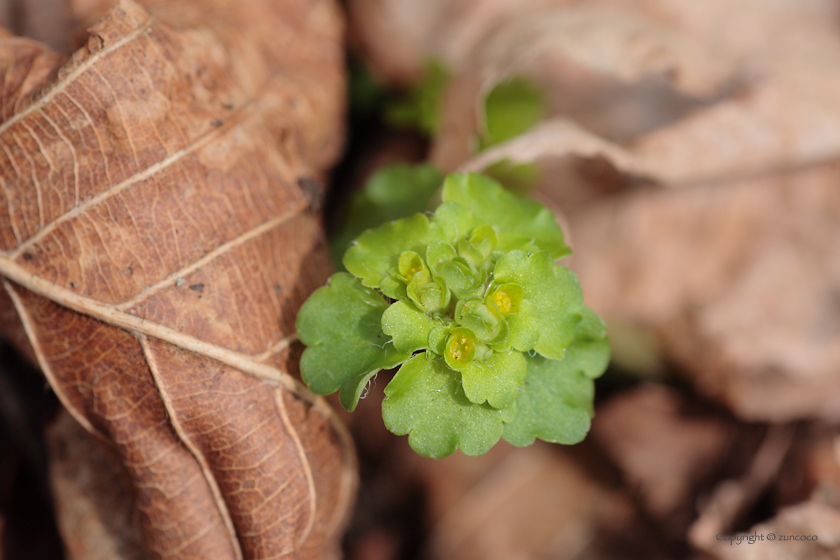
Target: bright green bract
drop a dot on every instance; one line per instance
(493, 336)
(522, 224)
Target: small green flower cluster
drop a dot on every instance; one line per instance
(456, 287)
(492, 335)
(469, 318)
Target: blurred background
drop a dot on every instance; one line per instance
(691, 151)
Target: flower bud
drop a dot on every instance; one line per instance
(438, 253)
(429, 294)
(476, 316)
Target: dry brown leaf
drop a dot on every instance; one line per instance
(614, 73)
(787, 112)
(663, 451)
(93, 500)
(399, 36)
(156, 244)
(778, 123)
(741, 281)
(696, 92)
(533, 504)
(807, 519)
(775, 125)
(557, 138)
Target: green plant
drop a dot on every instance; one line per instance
(419, 107)
(393, 192)
(511, 107)
(492, 336)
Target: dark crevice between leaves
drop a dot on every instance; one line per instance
(370, 142)
(26, 509)
(735, 461)
(391, 516)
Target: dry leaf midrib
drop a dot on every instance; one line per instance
(247, 364)
(113, 316)
(196, 453)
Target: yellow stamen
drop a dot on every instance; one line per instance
(502, 302)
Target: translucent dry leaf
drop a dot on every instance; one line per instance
(94, 506)
(740, 281)
(533, 504)
(695, 91)
(156, 244)
(557, 138)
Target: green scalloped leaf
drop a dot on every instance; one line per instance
(452, 222)
(523, 224)
(426, 401)
(408, 326)
(341, 326)
(520, 178)
(523, 330)
(555, 403)
(393, 192)
(495, 380)
(554, 302)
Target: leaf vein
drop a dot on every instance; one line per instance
(188, 443)
(307, 468)
(74, 74)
